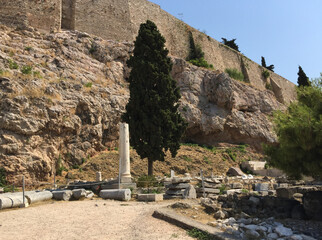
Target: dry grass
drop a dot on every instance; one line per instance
(6, 74)
(33, 92)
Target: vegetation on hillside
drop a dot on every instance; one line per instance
(156, 126)
(270, 67)
(299, 131)
(231, 43)
(235, 74)
(196, 55)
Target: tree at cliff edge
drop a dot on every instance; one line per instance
(270, 67)
(152, 111)
(299, 132)
(302, 79)
(231, 43)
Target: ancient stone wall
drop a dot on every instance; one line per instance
(13, 13)
(120, 20)
(109, 19)
(44, 15)
(222, 57)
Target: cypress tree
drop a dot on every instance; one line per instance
(263, 62)
(195, 50)
(302, 80)
(155, 124)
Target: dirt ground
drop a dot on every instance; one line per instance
(190, 159)
(89, 219)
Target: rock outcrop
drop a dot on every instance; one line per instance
(220, 109)
(62, 96)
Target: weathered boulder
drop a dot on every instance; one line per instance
(190, 193)
(218, 108)
(235, 171)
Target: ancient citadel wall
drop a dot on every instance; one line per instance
(109, 19)
(222, 57)
(44, 15)
(121, 19)
(13, 13)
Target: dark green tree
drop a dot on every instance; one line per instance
(263, 62)
(152, 111)
(270, 67)
(302, 80)
(299, 131)
(195, 50)
(230, 43)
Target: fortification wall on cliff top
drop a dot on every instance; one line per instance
(222, 57)
(121, 19)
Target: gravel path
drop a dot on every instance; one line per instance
(95, 219)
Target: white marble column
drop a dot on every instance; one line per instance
(124, 152)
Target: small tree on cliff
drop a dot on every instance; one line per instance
(302, 80)
(230, 43)
(270, 67)
(155, 124)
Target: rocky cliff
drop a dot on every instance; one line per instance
(62, 96)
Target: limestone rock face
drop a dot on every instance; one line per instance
(68, 105)
(219, 108)
(66, 109)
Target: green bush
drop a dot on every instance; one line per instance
(146, 181)
(196, 55)
(28, 48)
(231, 154)
(200, 235)
(186, 158)
(244, 191)
(206, 159)
(1, 71)
(3, 180)
(201, 62)
(89, 84)
(235, 74)
(59, 167)
(299, 132)
(242, 148)
(26, 69)
(37, 74)
(93, 48)
(13, 64)
(222, 189)
(266, 74)
(268, 86)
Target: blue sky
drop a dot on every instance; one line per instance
(287, 33)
